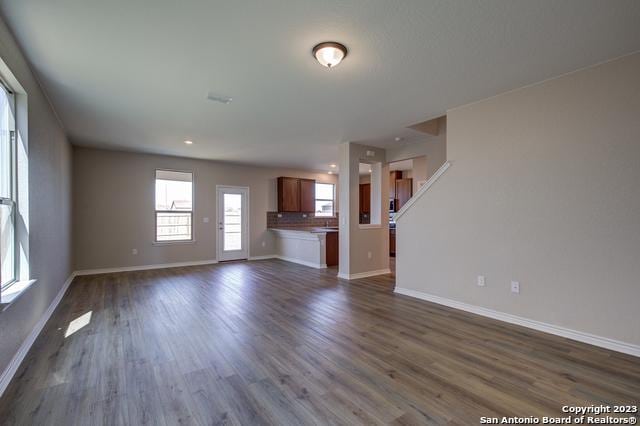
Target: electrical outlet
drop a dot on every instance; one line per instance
(134, 251)
(205, 220)
(304, 215)
(279, 214)
(515, 287)
(481, 282)
(369, 255)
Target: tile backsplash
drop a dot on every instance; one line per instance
(275, 219)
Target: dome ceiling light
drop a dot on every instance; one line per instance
(329, 53)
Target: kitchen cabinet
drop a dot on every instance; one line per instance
(307, 195)
(332, 254)
(392, 242)
(404, 191)
(365, 198)
(296, 195)
(288, 194)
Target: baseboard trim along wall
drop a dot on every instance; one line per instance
(603, 342)
(290, 259)
(17, 359)
(143, 267)
(265, 257)
(367, 274)
(302, 262)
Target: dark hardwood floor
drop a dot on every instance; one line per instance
(270, 342)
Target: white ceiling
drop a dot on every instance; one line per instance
(135, 74)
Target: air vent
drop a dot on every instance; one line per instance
(219, 98)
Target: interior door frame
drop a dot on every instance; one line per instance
(245, 238)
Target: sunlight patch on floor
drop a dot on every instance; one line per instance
(77, 324)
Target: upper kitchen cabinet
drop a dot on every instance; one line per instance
(307, 195)
(296, 195)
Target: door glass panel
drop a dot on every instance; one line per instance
(7, 244)
(232, 222)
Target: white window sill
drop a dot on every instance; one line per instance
(173, 243)
(10, 294)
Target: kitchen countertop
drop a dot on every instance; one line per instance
(311, 229)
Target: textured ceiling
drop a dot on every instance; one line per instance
(135, 74)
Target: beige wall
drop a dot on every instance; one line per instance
(44, 222)
(114, 205)
(357, 241)
(420, 171)
(544, 190)
(434, 148)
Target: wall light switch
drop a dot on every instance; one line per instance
(134, 251)
(515, 287)
(264, 244)
(481, 282)
(205, 220)
(369, 255)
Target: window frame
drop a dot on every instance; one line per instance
(333, 200)
(155, 211)
(12, 200)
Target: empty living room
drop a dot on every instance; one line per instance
(336, 212)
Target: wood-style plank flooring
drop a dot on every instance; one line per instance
(270, 342)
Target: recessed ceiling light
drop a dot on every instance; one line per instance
(329, 53)
(330, 172)
(369, 170)
(188, 142)
(398, 138)
(333, 166)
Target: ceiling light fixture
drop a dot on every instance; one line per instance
(398, 138)
(188, 142)
(330, 172)
(333, 166)
(329, 53)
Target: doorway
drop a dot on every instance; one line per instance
(233, 224)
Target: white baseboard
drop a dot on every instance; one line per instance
(8, 373)
(143, 267)
(367, 274)
(290, 259)
(264, 257)
(301, 262)
(603, 342)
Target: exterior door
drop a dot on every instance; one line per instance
(232, 222)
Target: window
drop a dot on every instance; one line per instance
(7, 188)
(174, 206)
(324, 199)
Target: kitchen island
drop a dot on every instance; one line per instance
(316, 247)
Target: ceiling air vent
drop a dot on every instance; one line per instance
(219, 98)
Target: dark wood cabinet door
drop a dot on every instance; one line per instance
(404, 191)
(288, 194)
(332, 254)
(365, 198)
(307, 195)
(392, 242)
